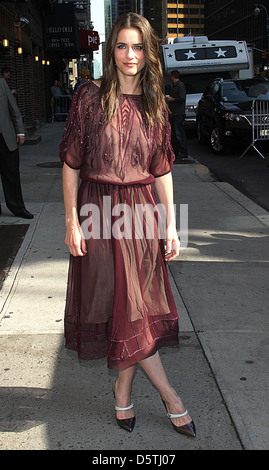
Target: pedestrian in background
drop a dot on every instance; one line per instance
(117, 140)
(6, 74)
(56, 88)
(177, 103)
(12, 134)
(80, 82)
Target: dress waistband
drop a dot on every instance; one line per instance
(144, 182)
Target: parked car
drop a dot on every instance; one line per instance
(224, 112)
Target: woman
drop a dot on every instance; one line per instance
(117, 140)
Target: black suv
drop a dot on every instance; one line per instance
(224, 111)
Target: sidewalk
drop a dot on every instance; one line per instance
(50, 400)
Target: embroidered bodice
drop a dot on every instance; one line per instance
(124, 151)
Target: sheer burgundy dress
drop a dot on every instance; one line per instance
(119, 301)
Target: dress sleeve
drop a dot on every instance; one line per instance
(163, 156)
(71, 150)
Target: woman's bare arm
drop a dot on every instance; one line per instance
(164, 188)
(74, 238)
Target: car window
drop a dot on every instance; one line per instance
(259, 90)
(214, 88)
(230, 92)
(244, 91)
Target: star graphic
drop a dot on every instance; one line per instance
(190, 54)
(170, 56)
(220, 53)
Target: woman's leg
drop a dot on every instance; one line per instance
(123, 390)
(155, 371)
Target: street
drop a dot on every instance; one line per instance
(250, 174)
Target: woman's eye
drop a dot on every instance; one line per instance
(123, 46)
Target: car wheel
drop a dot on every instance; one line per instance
(199, 131)
(216, 143)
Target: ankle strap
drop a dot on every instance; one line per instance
(171, 415)
(118, 408)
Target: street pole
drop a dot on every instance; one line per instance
(257, 11)
(177, 19)
(91, 27)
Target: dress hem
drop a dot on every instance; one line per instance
(138, 356)
(141, 355)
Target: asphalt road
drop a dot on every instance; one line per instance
(250, 174)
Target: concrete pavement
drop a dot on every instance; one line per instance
(51, 400)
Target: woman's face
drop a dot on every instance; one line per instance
(128, 52)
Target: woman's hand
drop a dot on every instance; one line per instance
(75, 241)
(20, 139)
(74, 236)
(172, 244)
(164, 187)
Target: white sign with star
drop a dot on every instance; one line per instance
(190, 54)
(220, 53)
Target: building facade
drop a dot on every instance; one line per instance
(235, 19)
(111, 13)
(38, 39)
(169, 19)
(114, 8)
(22, 51)
(185, 18)
(156, 13)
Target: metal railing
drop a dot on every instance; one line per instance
(60, 106)
(259, 123)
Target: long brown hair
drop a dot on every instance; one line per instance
(151, 76)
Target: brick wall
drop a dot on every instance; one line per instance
(28, 76)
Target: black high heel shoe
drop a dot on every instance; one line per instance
(126, 424)
(187, 429)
